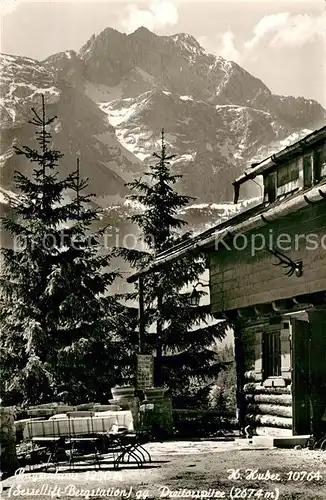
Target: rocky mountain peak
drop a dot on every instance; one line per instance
(107, 40)
(124, 88)
(143, 33)
(186, 40)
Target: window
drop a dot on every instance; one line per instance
(287, 173)
(287, 178)
(271, 354)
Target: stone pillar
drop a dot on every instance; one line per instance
(8, 457)
(157, 417)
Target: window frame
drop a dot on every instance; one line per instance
(271, 354)
(287, 179)
(319, 164)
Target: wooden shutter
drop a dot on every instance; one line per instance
(258, 356)
(307, 171)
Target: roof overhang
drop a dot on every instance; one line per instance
(282, 156)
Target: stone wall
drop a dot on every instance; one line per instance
(157, 417)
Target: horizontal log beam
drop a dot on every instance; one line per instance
(269, 421)
(251, 375)
(267, 409)
(273, 431)
(257, 388)
(278, 399)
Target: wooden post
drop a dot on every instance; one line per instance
(239, 362)
(159, 330)
(141, 318)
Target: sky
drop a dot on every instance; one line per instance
(281, 42)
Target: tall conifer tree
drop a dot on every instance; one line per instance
(61, 331)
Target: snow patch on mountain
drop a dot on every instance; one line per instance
(291, 139)
(101, 93)
(118, 115)
(275, 146)
(119, 111)
(189, 44)
(182, 158)
(7, 196)
(138, 143)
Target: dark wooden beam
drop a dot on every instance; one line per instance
(264, 309)
(158, 378)
(283, 305)
(311, 299)
(247, 313)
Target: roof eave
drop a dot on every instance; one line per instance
(313, 195)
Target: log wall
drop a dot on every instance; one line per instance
(269, 408)
(266, 407)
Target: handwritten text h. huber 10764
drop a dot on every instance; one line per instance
(256, 474)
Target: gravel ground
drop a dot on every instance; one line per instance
(202, 469)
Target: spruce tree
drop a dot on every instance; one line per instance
(96, 334)
(184, 332)
(61, 331)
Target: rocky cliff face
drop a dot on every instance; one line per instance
(115, 95)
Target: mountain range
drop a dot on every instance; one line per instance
(114, 96)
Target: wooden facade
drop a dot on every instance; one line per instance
(245, 277)
(279, 319)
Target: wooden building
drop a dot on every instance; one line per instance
(267, 270)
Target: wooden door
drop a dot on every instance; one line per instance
(301, 376)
